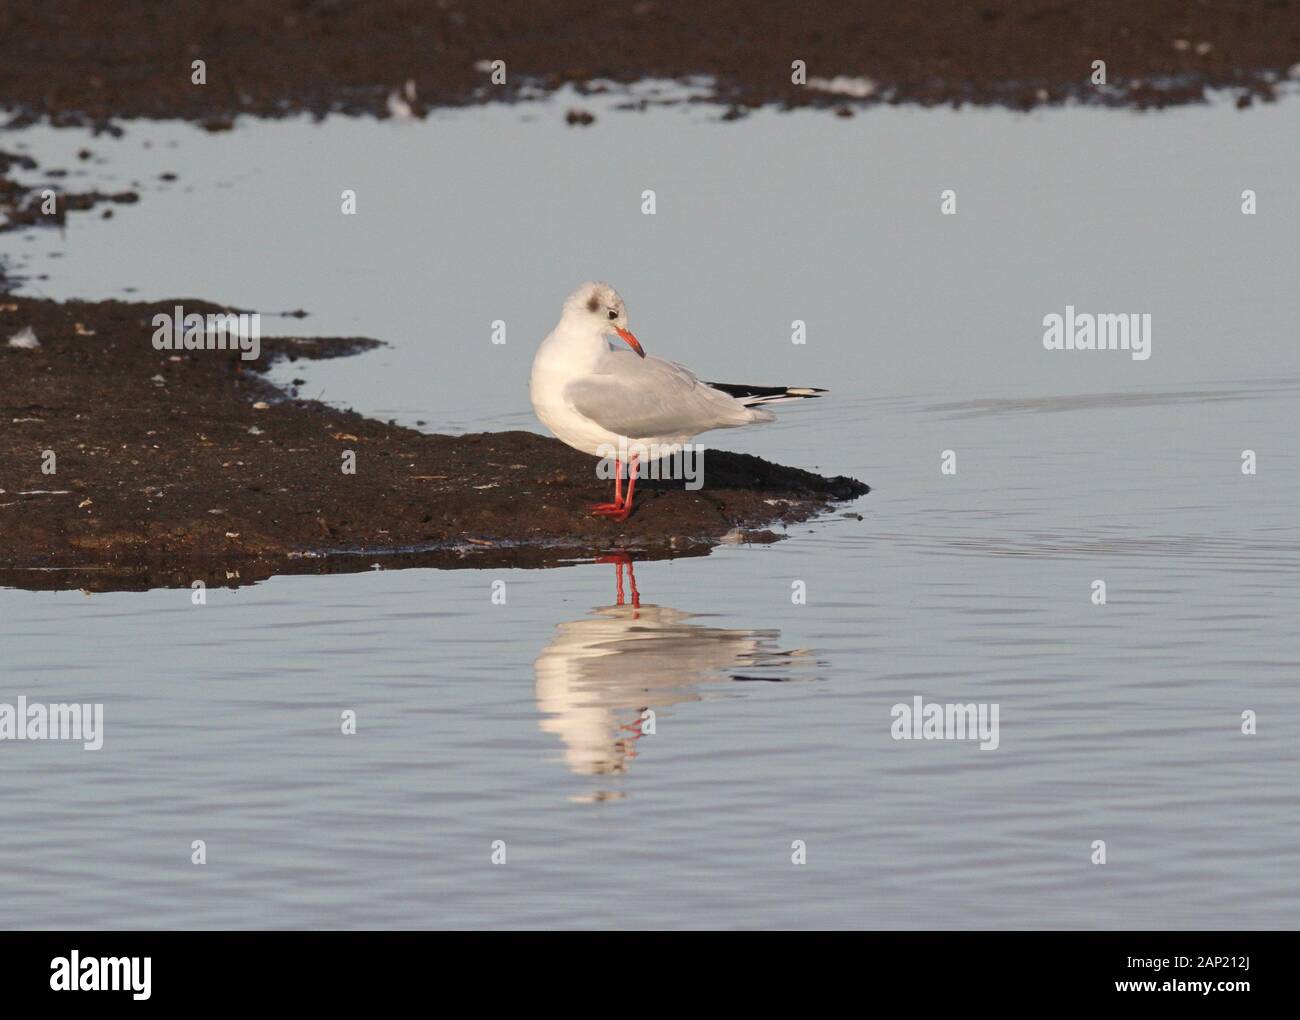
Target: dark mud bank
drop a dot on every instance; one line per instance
(175, 466)
(83, 60)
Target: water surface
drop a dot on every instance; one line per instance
(524, 721)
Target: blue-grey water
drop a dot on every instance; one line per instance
(479, 721)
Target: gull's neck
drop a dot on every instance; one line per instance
(577, 338)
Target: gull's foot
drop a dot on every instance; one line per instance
(607, 509)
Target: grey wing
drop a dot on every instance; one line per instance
(645, 398)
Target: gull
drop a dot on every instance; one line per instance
(598, 399)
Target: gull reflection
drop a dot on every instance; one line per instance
(603, 678)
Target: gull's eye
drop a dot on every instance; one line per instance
(613, 314)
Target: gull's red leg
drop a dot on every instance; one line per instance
(611, 509)
(626, 511)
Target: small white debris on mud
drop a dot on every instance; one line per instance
(25, 339)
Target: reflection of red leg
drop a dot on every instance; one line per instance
(616, 507)
(636, 595)
(618, 574)
(619, 559)
(628, 744)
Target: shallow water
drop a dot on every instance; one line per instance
(520, 721)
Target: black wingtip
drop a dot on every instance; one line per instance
(743, 392)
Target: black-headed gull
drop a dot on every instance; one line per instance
(599, 400)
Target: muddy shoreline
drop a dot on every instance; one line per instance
(82, 61)
(183, 466)
(123, 467)
(174, 466)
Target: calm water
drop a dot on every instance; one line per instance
(479, 722)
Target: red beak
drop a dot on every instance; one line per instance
(630, 340)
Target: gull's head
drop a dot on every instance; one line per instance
(598, 307)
